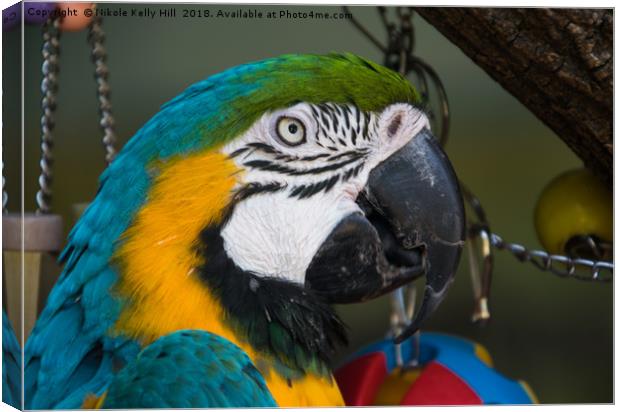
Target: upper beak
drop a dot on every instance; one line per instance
(414, 225)
(417, 192)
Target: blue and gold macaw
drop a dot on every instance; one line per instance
(11, 365)
(203, 272)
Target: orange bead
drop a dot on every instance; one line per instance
(80, 19)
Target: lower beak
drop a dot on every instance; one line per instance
(414, 225)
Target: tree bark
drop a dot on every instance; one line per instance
(557, 62)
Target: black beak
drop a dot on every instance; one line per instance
(414, 225)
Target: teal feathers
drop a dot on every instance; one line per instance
(189, 369)
(11, 365)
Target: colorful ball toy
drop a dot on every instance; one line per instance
(450, 371)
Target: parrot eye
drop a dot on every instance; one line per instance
(291, 131)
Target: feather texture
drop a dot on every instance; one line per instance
(11, 365)
(189, 369)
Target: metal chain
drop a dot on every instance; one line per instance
(422, 69)
(49, 87)
(406, 38)
(399, 40)
(399, 56)
(544, 261)
(481, 259)
(559, 265)
(363, 30)
(96, 38)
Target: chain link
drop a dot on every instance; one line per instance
(400, 45)
(559, 265)
(399, 56)
(96, 38)
(363, 30)
(49, 87)
(423, 69)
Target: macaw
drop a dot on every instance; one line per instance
(203, 273)
(11, 365)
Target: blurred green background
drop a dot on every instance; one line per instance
(554, 333)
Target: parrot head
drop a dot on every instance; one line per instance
(279, 188)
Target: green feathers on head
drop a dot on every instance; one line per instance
(226, 104)
(336, 78)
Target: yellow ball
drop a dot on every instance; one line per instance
(574, 203)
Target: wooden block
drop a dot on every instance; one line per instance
(32, 281)
(12, 277)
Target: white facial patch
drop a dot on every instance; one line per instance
(305, 167)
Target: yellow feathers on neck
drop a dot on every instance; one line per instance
(157, 258)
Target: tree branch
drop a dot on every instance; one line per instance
(557, 62)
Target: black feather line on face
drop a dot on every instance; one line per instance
(277, 154)
(270, 166)
(331, 183)
(238, 152)
(353, 136)
(335, 120)
(304, 192)
(280, 319)
(366, 123)
(325, 134)
(252, 189)
(315, 112)
(347, 122)
(324, 117)
(340, 110)
(315, 157)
